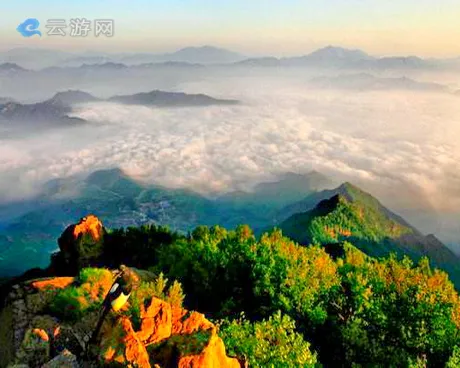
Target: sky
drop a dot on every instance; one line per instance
(426, 28)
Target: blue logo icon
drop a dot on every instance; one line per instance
(29, 28)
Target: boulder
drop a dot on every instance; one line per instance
(156, 322)
(186, 322)
(89, 225)
(81, 245)
(213, 355)
(121, 345)
(147, 332)
(167, 337)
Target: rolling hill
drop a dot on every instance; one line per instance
(349, 214)
(299, 204)
(29, 234)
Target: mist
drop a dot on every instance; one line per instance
(400, 145)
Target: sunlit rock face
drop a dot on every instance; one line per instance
(81, 245)
(163, 334)
(88, 225)
(168, 336)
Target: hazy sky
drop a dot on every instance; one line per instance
(255, 27)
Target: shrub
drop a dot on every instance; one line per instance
(86, 295)
(270, 343)
(454, 360)
(147, 290)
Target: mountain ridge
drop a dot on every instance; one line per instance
(55, 111)
(350, 214)
(256, 289)
(160, 98)
(365, 82)
(122, 201)
(328, 56)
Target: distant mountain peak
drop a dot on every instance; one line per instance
(50, 113)
(11, 67)
(171, 99)
(346, 191)
(348, 213)
(340, 53)
(203, 55)
(337, 49)
(366, 82)
(349, 188)
(350, 205)
(203, 48)
(106, 175)
(330, 56)
(108, 65)
(71, 97)
(410, 58)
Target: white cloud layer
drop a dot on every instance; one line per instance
(403, 146)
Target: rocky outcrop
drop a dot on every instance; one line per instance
(80, 245)
(161, 335)
(213, 355)
(29, 334)
(168, 337)
(51, 322)
(53, 284)
(156, 322)
(121, 344)
(186, 323)
(89, 225)
(24, 304)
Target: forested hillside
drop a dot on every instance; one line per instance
(275, 302)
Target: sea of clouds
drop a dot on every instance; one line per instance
(403, 146)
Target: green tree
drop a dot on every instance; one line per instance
(269, 343)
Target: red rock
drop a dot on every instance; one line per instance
(88, 225)
(185, 322)
(187, 339)
(55, 283)
(156, 322)
(122, 345)
(81, 245)
(213, 355)
(41, 333)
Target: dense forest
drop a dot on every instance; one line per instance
(280, 304)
